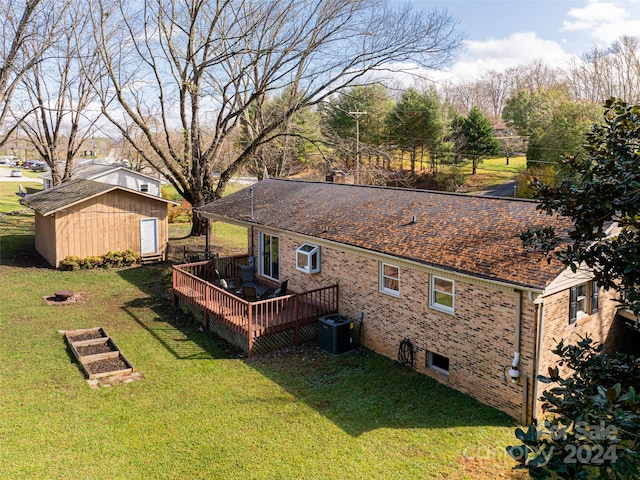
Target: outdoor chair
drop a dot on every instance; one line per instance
(281, 290)
(247, 275)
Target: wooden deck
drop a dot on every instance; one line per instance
(192, 283)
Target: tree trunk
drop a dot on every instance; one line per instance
(413, 160)
(199, 225)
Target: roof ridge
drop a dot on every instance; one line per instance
(407, 189)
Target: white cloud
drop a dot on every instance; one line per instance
(605, 21)
(499, 54)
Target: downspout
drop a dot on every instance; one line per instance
(251, 205)
(534, 410)
(514, 372)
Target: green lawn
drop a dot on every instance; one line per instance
(492, 172)
(9, 201)
(203, 412)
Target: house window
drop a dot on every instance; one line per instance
(439, 363)
(442, 291)
(270, 256)
(144, 187)
(583, 301)
(390, 279)
(308, 258)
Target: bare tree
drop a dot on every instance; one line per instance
(604, 73)
(496, 88)
(461, 96)
(196, 64)
(534, 76)
(26, 32)
(59, 95)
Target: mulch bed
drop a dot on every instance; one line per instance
(86, 336)
(95, 349)
(106, 365)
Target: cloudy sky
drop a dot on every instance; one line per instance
(504, 33)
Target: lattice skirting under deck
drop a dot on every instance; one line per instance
(261, 344)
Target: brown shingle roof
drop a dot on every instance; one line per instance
(69, 193)
(468, 234)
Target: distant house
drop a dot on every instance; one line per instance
(447, 272)
(85, 218)
(114, 175)
(501, 129)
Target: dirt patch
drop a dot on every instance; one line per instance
(489, 469)
(112, 380)
(76, 298)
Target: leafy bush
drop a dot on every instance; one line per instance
(92, 262)
(594, 429)
(129, 257)
(547, 174)
(113, 259)
(179, 213)
(451, 181)
(71, 263)
(108, 260)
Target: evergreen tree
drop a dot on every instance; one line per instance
(479, 139)
(416, 121)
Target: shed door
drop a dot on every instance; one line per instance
(148, 236)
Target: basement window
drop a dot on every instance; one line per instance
(439, 363)
(308, 258)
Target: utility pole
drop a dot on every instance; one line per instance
(357, 114)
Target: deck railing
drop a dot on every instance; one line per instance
(250, 319)
(206, 270)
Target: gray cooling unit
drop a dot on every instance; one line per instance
(334, 333)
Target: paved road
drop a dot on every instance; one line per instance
(504, 190)
(5, 176)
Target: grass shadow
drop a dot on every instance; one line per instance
(364, 391)
(176, 331)
(17, 242)
(358, 392)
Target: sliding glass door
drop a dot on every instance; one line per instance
(269, 256)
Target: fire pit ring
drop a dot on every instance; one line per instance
(63, 295)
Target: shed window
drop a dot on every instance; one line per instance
(144, 187)
(308, 258)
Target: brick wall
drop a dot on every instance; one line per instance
(556, 327)
(478, 339)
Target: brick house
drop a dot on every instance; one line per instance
(446, 271)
